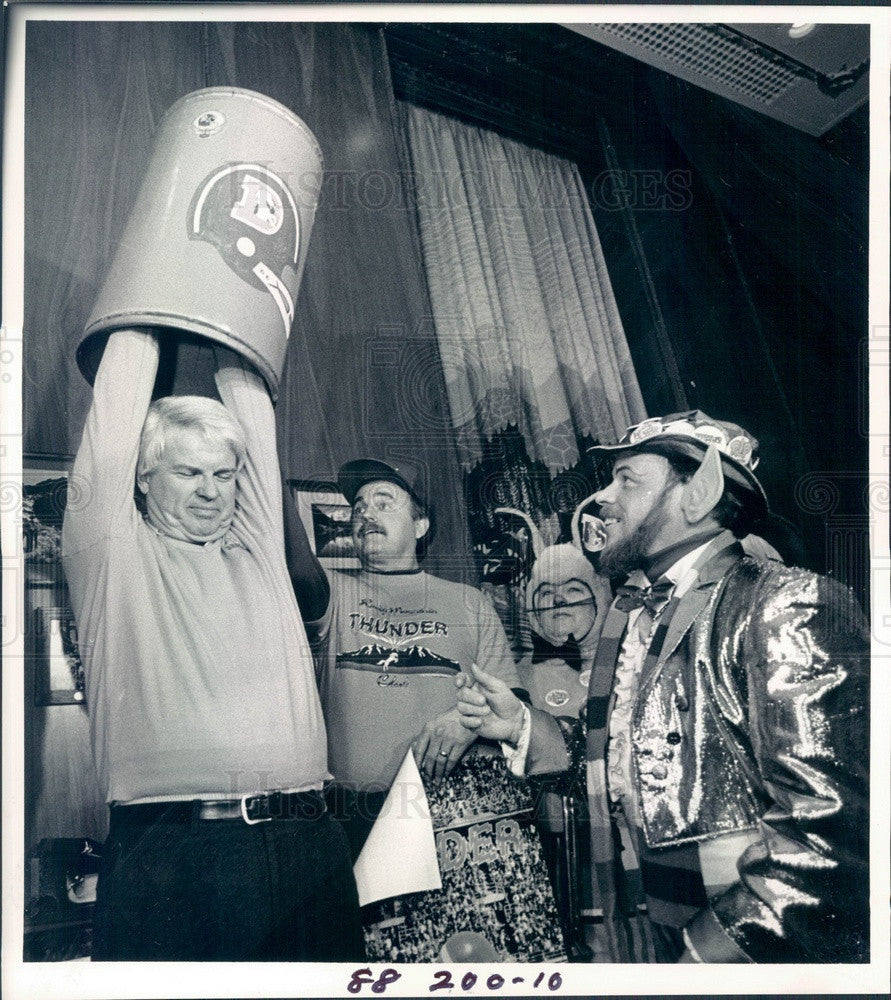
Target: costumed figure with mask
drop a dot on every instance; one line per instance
(566, 602)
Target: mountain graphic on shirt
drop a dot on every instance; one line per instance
(414, 659)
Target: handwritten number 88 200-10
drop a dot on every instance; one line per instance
(443, 981)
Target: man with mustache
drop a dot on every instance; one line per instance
(727, 717)
(390, 641)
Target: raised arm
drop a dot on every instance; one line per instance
(244, 394)
(105, 467)
(308, 579)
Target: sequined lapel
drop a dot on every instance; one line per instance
(723, 552)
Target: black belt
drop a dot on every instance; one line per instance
(249, 809)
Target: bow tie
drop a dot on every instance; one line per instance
(652, 598)
(543, 650)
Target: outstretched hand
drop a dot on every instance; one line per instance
(487, 706)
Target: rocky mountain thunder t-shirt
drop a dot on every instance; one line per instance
(389, 650)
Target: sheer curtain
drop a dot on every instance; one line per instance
(530, 337)
(535, 360)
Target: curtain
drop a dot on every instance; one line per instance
(526, 321)
(534, 356)
(528, 330)
(362, 376)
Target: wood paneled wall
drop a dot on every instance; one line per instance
(62, 791)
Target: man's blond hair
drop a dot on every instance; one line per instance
(200, 413)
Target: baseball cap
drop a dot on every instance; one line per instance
(354, 475)
(690, 433)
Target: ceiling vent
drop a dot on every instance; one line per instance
(809, 76)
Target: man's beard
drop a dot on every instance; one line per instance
(632, 552)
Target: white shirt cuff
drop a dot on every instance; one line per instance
(515, 754)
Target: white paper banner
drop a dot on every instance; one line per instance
(399, 855)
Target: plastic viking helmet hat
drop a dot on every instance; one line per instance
(557, 564)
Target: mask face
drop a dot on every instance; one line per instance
(564, 609)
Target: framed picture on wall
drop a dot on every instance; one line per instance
(326, 516)
(59, 675)
(44, 498)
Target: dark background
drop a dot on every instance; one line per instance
(742, 285)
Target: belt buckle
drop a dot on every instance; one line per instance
(244, 814)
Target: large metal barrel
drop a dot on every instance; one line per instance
(216, 241)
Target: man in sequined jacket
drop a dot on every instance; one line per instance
(726, 723)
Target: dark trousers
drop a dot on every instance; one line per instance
(356, 812)
(176, 887)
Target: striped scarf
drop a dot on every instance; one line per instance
(622, 943)
(672, 878)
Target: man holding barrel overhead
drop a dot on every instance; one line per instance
(207, 730)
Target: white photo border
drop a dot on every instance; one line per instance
(113, 980)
